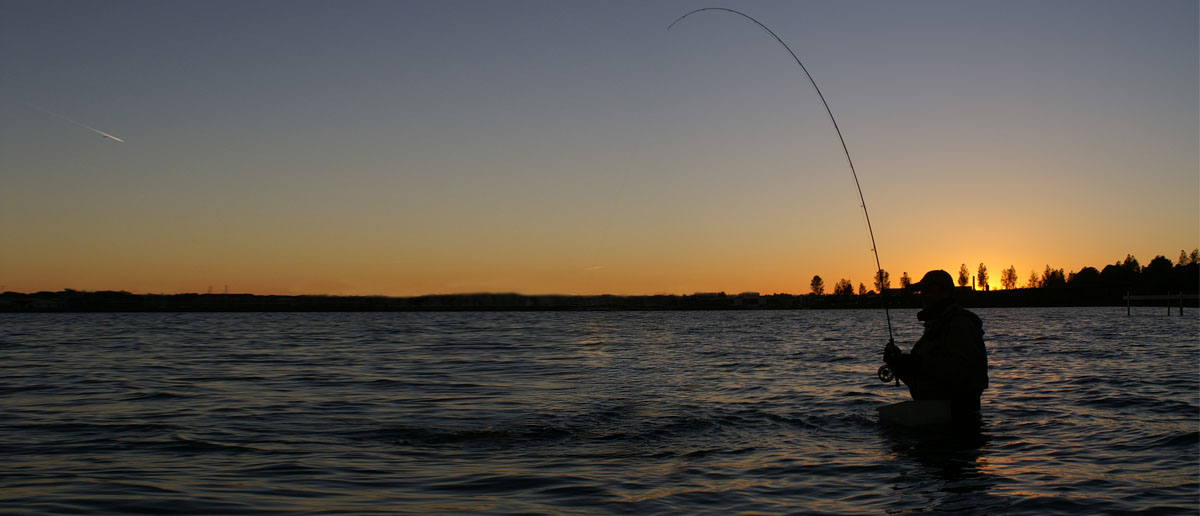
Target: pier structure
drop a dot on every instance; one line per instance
(1129, 299)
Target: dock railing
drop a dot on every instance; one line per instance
(1129, 299)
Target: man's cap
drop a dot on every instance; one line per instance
(935, 279)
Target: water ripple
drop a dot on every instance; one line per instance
(584, 413)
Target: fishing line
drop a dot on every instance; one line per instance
(845, 151)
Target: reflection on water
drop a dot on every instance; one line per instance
(1090, 412)
(949, 472)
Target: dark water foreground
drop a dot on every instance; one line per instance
(1090, 412)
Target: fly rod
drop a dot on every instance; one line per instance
(846, 151)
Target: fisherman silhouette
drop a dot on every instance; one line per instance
(949, 362)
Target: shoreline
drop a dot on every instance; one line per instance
(70, 301)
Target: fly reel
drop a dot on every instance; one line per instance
(885, 374)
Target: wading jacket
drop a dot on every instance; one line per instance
(949, 362)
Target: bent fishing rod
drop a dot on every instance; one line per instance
(883, 371)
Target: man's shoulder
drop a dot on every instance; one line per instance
(963, 311)
(963, 319)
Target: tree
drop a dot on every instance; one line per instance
(1033, 280)
(1186, 259)
(1131, 264)
(1156, 276)
(1186, 277)
(1114, 275)
(1053, 278)
(862, 289)
(818, 286)
(882, 280)
(983, 277)
(905, 281)
(1086, 277)
(964, 276)
(843, 288)
(1008, 278)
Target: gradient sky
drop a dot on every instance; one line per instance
(406, 148)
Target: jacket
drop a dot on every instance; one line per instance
(949, 362)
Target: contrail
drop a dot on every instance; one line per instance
(76, 122)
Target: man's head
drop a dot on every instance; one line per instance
(934, 286)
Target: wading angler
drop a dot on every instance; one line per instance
(949, 362)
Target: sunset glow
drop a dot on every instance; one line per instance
(440, 147)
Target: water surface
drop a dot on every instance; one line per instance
(1090, 412)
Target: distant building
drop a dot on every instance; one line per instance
(749, 299)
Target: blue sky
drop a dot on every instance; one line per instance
(579, 147)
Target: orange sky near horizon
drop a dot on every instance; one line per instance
(427, 148)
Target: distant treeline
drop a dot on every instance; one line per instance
(1160, 276)
(109, 301)
(1087, 287)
